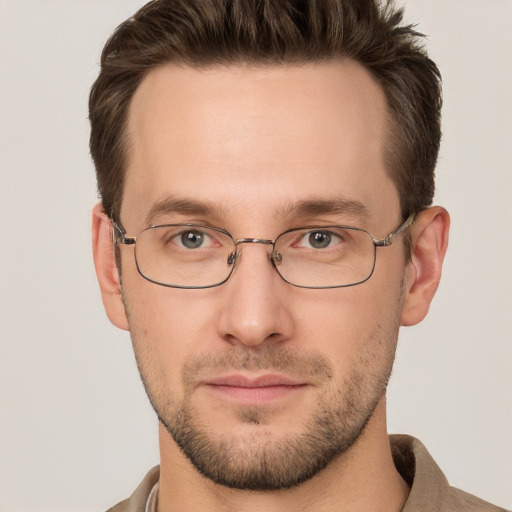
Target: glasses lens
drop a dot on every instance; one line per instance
(184, 256)
(325, 257)
(190, 256)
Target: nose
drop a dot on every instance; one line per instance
(255, 310)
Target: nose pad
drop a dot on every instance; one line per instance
(234, 258)
(276, 258)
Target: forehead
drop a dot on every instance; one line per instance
(255, 138)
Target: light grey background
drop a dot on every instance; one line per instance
(76, 431)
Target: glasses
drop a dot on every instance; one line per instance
(195, 256)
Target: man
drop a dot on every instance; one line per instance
(266, 174)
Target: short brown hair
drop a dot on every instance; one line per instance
(210, 32)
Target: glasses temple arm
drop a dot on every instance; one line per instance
(119, 235)
(385, 242)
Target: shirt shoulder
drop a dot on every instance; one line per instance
(456, 500)
(430, 490)
(137, 501)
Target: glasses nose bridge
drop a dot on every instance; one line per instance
(235, 257)
(240, 241)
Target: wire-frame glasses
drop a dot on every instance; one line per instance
(196, 256)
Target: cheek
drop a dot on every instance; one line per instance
(164, 313)
(167, 325)
(350, 324)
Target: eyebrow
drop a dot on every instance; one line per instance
(182, 206)
(315, 207)
(305, 208)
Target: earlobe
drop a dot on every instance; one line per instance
(106, 269)
(429, 243)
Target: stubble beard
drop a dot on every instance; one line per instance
(258, 460)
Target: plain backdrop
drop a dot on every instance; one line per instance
(76, 430)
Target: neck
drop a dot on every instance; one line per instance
(357, 480)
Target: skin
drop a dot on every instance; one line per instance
(250, 142)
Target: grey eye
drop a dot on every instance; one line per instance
(192, 239)
(320, 239)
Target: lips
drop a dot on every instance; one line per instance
(262, 381)
(256, 390)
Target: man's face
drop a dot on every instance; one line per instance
(258, 374)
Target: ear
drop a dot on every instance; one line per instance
(106, 269)
(429, 236)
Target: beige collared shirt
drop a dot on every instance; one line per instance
(430, 490)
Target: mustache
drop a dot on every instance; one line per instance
(272, 358)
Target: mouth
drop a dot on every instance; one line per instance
(254, 390)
